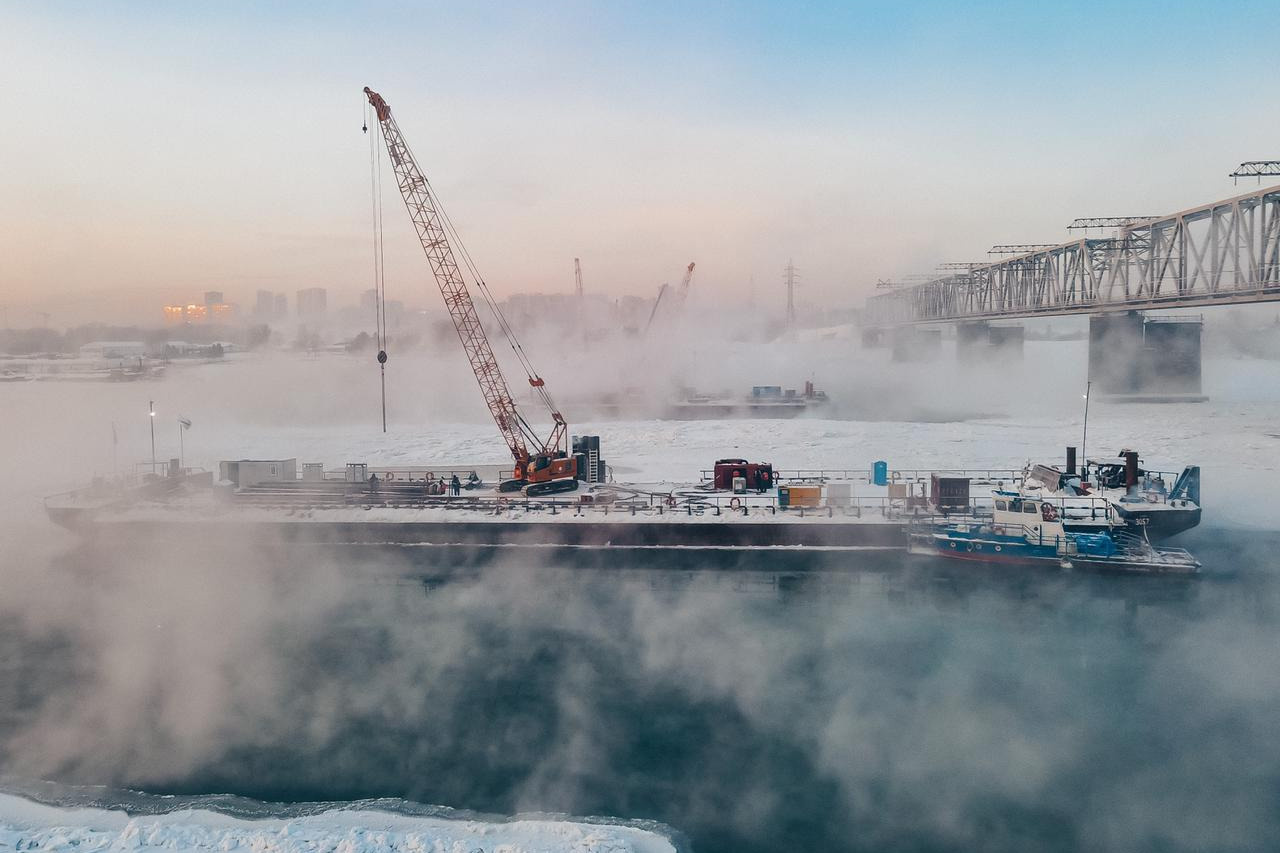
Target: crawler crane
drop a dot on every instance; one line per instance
(541, 466)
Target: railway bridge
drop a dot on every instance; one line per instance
(1223, 253)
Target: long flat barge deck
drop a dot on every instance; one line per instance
(404, 511)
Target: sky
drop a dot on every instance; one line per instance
(153, 150)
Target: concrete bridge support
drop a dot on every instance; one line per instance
(914, 344)
(1173, 349)
(981, 341)
(972, 341)
(1141, 358)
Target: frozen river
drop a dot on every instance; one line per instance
(856, 708)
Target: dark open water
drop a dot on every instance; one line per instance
(786, 704)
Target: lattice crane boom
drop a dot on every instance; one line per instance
(433, 228)
(683, 292)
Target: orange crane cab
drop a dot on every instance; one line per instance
(547, 468)
(543, 474)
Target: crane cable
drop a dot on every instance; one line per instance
(379, 256)
(534, 380)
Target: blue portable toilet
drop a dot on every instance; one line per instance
(880, 473)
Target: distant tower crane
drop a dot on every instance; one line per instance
(661, 292)
(683, 293)
(547, 468)
(790, 276)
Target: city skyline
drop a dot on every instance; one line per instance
(168, 150)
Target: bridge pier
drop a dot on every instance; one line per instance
(1137, 358)
(873, 336)
(972, 340)
(913, 344)
(978, 340)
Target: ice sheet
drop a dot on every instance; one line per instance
(27, 825)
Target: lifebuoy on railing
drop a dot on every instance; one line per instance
(735, 503)
(895, 476)
(390, 476)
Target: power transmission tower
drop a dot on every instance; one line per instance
(1255, 169)
(791, 277)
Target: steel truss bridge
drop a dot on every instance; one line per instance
(1227, 252)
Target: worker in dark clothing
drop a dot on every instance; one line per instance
(456, 485)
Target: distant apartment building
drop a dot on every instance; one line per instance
(265, 305)
(282, 305)
(312, 302)
(394, 312)
(392, 309)
(214, 310)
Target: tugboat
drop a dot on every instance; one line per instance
(1029, 531)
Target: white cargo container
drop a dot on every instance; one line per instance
(839, 494)
(250, 472)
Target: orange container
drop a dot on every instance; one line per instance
(806, 495)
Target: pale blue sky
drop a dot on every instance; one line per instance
(156, 149)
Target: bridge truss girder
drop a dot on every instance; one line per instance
(1222, 253)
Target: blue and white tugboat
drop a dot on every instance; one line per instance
(1029, 531)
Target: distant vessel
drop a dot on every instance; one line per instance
(764, 401)
(1030, 532)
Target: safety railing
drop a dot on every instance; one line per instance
(603, 501)
(897, 475)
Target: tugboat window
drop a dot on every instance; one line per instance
(1029, 507)
(1002, 505)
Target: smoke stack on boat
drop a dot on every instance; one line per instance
(1130, 472)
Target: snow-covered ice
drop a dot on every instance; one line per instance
(27, 825)
(242, 411)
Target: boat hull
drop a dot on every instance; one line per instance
(1016, 553)
(1160, 520)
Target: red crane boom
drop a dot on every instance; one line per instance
(434, 231)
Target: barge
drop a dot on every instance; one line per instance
(738, 505)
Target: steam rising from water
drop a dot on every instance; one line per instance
(860, 710)
(863, 711)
